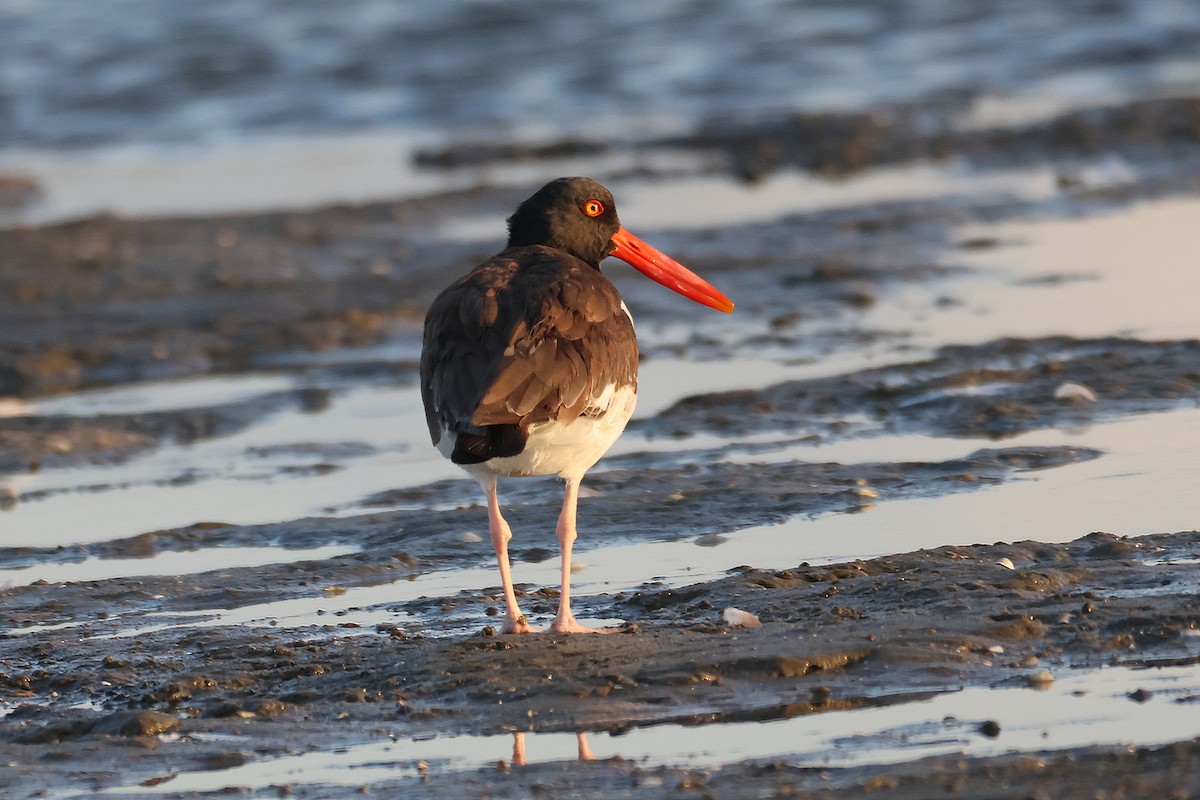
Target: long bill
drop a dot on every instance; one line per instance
(659, 267)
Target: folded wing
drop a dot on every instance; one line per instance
(530, 336)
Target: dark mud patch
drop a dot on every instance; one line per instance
(840, 143)
(482, 153)
(36, 441)
(17, 191)
(834, 637)
(994, 390)
(115, 300)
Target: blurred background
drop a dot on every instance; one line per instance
(128, 82)
(962, 238)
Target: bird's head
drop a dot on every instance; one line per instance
(579, 216)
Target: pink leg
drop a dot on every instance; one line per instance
(514, 620)
(564, 621)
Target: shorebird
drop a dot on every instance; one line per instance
(529, 362)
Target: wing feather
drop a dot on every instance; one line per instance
(531, 335)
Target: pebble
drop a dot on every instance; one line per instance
(136, 723)
(736, 618)
(1074, 393)
(1040, 680)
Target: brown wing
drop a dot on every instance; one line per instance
(533, 334)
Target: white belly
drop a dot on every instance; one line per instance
(566, 450)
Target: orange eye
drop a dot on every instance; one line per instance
(593, 208)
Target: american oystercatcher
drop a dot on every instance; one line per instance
(529, 363)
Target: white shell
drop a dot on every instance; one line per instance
(737, 618)
(1075, 392)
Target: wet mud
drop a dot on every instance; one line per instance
(115, 300)
(992, 391)
(833, 637)
(141, 682)
(1146, 772)
(842, 143)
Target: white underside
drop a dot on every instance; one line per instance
(555, 448)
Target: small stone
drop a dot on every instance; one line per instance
(881, 783)
(736, 618)
(136, 723)
(991, 728)
(1140, 695)
(1005, 562)
(1040, 680)
(1074, 393)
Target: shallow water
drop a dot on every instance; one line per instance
(1138, 487)
(141, 398)
(1075, 711)
(172, 563)
(701, 203)
(1126, 272)
(272, 173)
(236, 478)
(142, 70)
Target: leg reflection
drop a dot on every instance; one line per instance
(518, 758)
(518, 752)
(585, 752)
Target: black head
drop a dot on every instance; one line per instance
(576, 215)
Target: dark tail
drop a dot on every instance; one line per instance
(483, 442)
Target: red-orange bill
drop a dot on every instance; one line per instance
(658, 266)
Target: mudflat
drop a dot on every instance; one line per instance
(167, 377)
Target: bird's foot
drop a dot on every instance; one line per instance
(518, 625)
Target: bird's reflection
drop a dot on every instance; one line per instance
(518, 754)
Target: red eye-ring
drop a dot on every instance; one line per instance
(593, 208)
